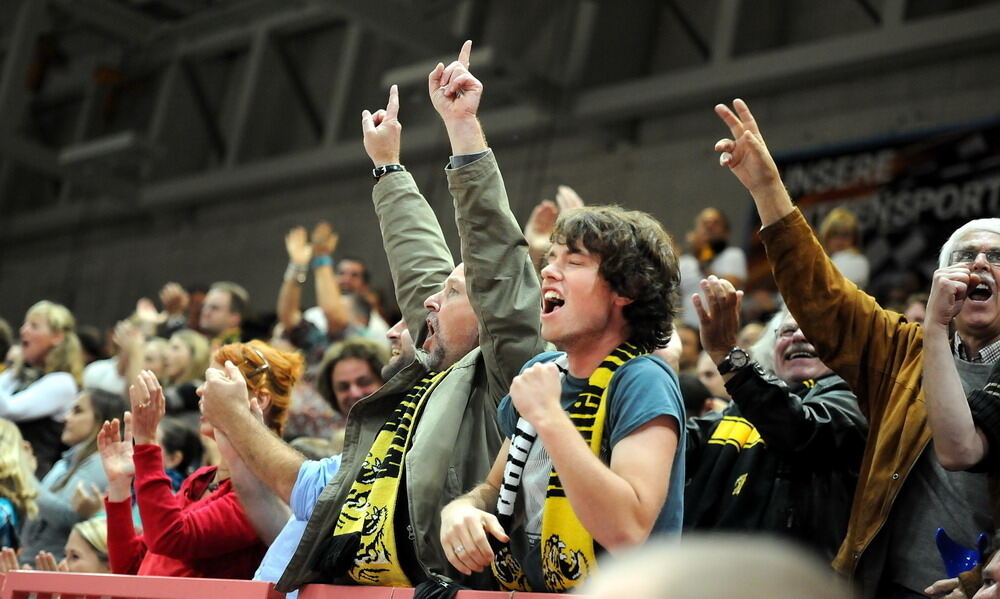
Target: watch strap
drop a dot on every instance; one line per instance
(380, 171)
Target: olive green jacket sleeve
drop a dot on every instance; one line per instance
(418, 255)
(501, 281)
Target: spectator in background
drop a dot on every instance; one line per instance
(351, 370)
(184, 363)
(6, 340)
(915, 309)
(91, 343)
(709, 376)
(335, 314)
(181, 447)
(226, 306)
(840, 236)
(201, 531)
(783, 457)
(175, 300)
(86, 548)
(690, 346)
(38, 391)
(698, 400)
(353, 277)
(17, 484)
(709, 253)
(80, 465)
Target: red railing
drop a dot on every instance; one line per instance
(22, 584)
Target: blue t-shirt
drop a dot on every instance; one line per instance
(642, 389)
(312, 479)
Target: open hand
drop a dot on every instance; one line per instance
(382, 131)
(324, 239)
(745, 154)
(297, 246)
(567, 198)
(148, 406)
(174, 298)
(116, 451)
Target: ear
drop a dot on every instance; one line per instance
(173, 458)
(263, 399)
(621, 301)
(58, 337)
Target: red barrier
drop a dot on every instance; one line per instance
(22, 583)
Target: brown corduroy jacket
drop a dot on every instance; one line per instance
(876, 351)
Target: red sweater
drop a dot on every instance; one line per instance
(187, 534)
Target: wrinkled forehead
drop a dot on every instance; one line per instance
(978, 240)
(457, 277)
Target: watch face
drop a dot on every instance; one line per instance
(739, 358)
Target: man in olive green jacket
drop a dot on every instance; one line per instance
(485, 342)
(903, 493)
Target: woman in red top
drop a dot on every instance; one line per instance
(201, 531)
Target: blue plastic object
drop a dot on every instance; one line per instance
(958, 558)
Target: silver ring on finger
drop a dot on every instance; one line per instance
(459, 549)
(144, 404)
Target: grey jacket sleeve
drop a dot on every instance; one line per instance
(419, 259)
(56, 505)
(501, 281)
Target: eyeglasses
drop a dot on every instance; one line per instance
(969, 256)
(262, 368)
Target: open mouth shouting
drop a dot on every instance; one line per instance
(552, 301)
(431, 331)
(982, 292)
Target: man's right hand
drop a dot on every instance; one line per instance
(382, 131)
(948, 288)
(223, 394)
(463, 536)
(718, 309)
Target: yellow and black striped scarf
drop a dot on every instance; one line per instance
(370, 507)
(568, 553)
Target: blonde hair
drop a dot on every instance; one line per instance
(67, 356)
(277, 377)
(200, 351)
(95, 532)
(840, 221)
(16, 480)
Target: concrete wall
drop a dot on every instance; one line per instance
(664, 165)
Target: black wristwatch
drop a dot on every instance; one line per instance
(379, 171)
(738, 358)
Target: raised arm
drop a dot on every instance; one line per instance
(265, 511)
(290, 295)
(958, 442)
(418, 256)
(324, 243)
(502, 283)
(865, 341)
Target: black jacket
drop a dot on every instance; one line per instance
(792, 471)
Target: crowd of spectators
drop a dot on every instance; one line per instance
(572, 388)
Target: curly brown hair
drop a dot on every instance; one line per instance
(637, 260)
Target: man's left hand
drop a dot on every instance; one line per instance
(718, 309)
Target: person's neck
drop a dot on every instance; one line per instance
(975, 341)
(584, 356)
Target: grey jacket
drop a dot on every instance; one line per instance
(456, 438)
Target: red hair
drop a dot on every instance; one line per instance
(271, 369)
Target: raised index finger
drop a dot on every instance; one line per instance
(465, 53)
(392, 108)
(730, 119)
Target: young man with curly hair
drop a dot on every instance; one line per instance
(593, 456)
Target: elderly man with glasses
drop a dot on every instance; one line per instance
(903, 494)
